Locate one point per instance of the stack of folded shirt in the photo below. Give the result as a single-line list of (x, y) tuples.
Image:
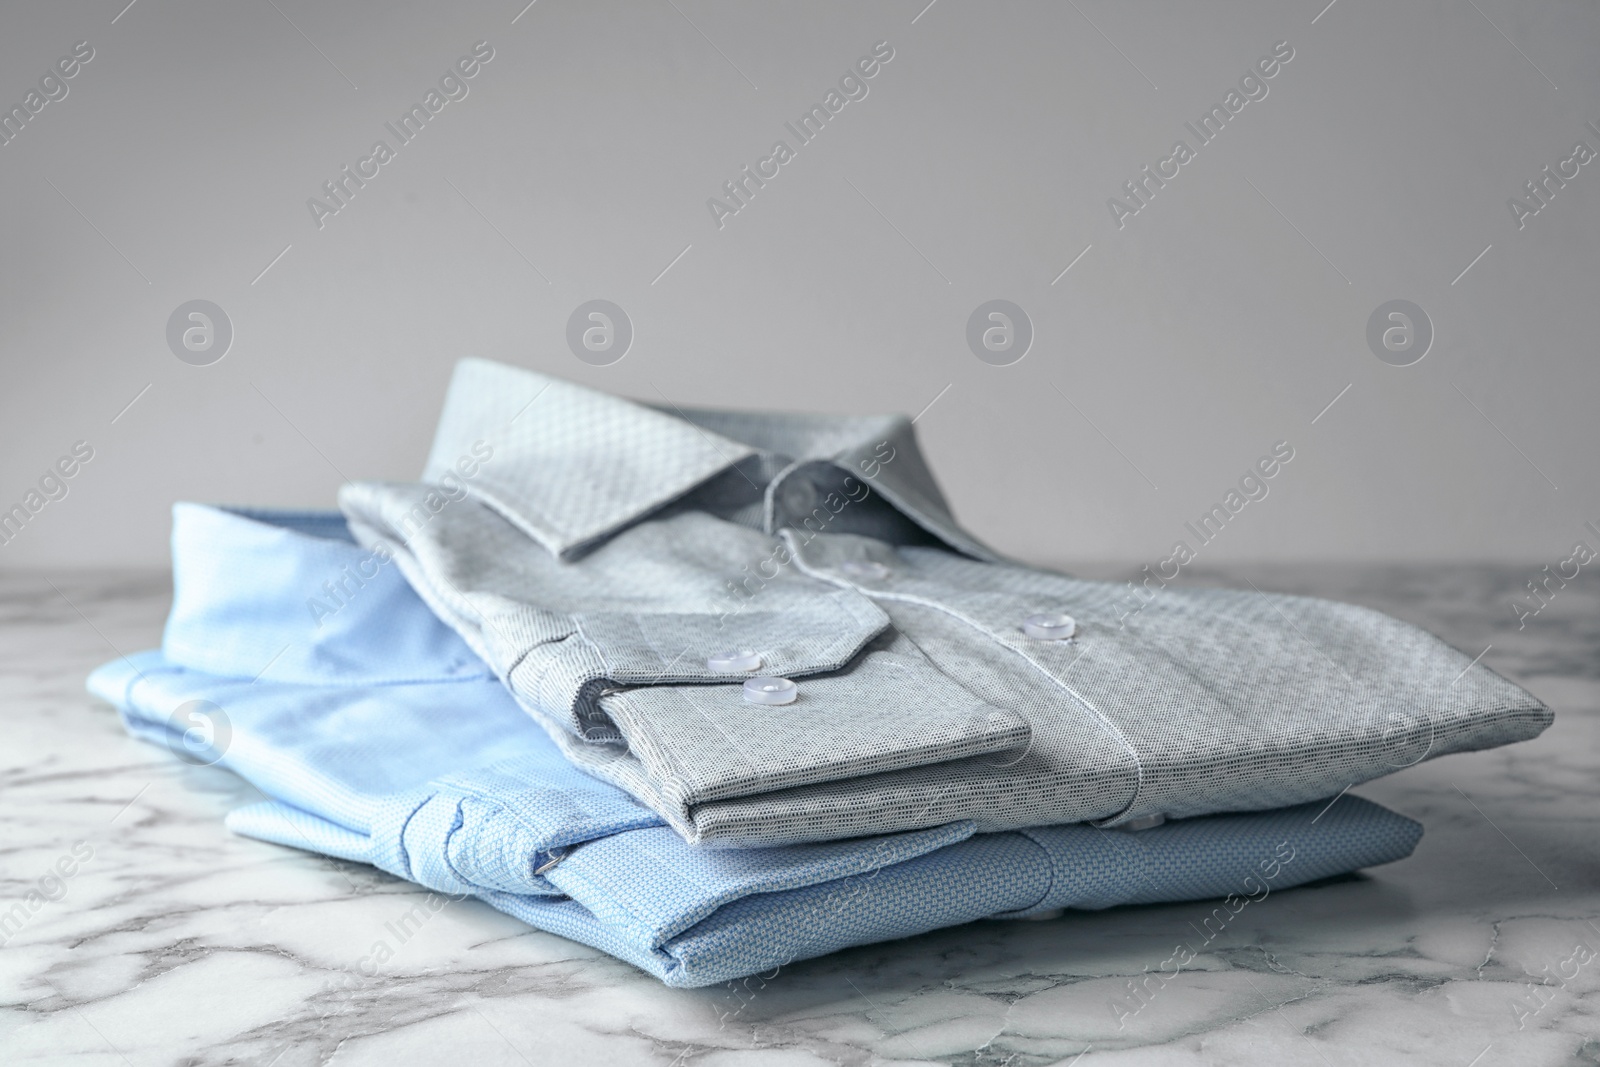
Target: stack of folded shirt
[(717, 691)]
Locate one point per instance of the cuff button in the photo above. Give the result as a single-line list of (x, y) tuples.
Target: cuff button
[(734, 661), (770, 691), (1051, 626)]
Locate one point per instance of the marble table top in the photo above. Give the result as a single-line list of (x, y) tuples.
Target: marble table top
[(162, 938)]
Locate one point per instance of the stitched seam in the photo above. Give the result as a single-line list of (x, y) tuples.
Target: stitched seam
[(400, 835), (769, 497), (1110, 726), (907, 598), (760, 775), (674, 772), (513, 506), (951, 535), (605, 665), (458, 823), (575, 874), (1050, 860)]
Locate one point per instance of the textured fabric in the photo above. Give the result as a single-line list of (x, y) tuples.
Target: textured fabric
[(607, 549), (380, 741)]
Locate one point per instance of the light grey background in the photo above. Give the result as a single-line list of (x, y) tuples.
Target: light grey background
[(1224, 317)]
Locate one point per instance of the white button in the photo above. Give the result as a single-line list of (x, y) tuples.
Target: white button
[(734, 661), (1144, 822), (798, 495), (864, 570), (770, 691), (1052, 626)]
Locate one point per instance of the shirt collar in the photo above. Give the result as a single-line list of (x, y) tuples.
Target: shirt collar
[(570, 466)]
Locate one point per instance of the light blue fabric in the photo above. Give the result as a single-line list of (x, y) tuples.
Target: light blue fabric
[(383, 740)]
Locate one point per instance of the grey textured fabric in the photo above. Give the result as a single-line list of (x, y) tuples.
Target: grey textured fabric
[(595, 552)]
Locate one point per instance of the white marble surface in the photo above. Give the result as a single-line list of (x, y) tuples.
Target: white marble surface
[(178, 943)]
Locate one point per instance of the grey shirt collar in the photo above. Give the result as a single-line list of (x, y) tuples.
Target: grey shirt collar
[(570, 466)]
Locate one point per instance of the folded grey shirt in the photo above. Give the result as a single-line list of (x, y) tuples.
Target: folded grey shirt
[(605, 556)]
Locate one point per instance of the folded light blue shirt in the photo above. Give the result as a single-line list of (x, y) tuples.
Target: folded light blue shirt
[(306, 664)]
